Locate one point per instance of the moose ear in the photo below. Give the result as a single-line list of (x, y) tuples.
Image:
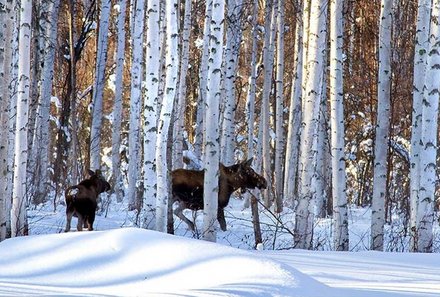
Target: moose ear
[(248, 162), (90, 172), (98, 172)]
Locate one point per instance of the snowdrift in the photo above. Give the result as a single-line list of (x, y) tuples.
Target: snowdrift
[(137, 262)]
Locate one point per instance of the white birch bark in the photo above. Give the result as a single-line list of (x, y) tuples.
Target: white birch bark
[(428, 154), (250, 99), (135, 105), (117, 109), (279, 132), (152, 79), (304, 218), (19, 202), (295, 114), (101, 60), (382, 128), (179, 128), (172, 67), (420, 68), (203, 75), (231, 55), (211, 143), (322, 141), (41, 137), (6, 14), (268, 61), (340, 219)]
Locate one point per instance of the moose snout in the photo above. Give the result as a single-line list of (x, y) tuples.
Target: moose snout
[(262, 184)]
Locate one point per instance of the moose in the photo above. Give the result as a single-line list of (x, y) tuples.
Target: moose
[(82, 200), (187, 188)]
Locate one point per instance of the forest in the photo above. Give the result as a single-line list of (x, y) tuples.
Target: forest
[(334, 102)]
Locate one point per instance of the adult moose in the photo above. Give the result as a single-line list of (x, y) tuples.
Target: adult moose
[(82, 200), (187, 187)]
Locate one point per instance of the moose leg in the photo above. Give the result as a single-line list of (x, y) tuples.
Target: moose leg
[(179, 213), (90, 220), (221, 218), (69, 215), (79, 226)]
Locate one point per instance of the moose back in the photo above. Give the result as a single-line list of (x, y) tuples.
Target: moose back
[(82, 200), (187, 187)]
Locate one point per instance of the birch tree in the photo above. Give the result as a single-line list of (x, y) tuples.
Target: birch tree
[(268, 61), (420, 69), (135, 105), (250, 98), (117, 109), (304, 217), (382, 127), (19, 203), (279, 132), (6, 14), (172, 67), (152, 79), (101, 60), (231, 56), (211, 143), (203, 74), (181, 94), (40, 148), (293, 132), (428, 154), (340, 219)]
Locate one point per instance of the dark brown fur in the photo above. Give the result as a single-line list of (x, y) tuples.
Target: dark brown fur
[(187, 186), (82, 200)]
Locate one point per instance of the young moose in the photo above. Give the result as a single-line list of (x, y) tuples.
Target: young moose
[(82, 200), (187, 186)]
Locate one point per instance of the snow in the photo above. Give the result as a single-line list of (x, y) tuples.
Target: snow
[(120, 260), (138, 262)]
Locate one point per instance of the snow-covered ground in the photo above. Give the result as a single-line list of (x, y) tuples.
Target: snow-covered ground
[(127, 261)]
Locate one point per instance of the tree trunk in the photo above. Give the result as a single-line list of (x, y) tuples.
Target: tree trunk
[(420, 69), (428, 159), (6, 36), (203, 74), (179, 129), (152, 79), (382, 128), (268, 61), (40, 149), (231, 55), (295, 114), (279, 132), (135, 107), (117, 109), (19, 202), (304, 218), (340, 219), (211, 143), (101, 60), (250, 99), (172, 67)]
